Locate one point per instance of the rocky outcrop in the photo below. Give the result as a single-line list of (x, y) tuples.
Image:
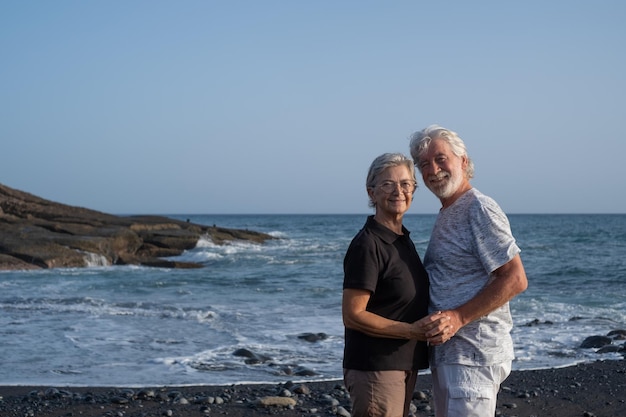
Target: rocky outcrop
[(38, 233)]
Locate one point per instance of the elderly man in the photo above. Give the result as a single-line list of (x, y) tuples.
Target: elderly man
[(475, 269)]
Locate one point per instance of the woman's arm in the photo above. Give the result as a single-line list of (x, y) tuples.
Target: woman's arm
[(356, 317)]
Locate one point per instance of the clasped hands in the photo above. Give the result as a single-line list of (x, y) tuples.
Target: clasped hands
[(436, 328)]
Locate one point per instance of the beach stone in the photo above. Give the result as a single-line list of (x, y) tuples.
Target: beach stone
[(302, 389), (126, 393), (420, 396), (181, 400), (146, 393), (174, 394), (596, 342), (342, 412), (329, 399), (52, 393), (36, 393), (285, 393), (204, 400), (119, 400), (161, 396), (276, 401), (423, 407)]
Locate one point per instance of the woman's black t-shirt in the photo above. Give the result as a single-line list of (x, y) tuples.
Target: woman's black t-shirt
[(388, 265)]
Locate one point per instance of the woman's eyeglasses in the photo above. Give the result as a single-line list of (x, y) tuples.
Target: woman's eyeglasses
[(391, 186)]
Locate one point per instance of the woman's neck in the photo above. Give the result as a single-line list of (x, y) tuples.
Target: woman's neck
[(392, 223)]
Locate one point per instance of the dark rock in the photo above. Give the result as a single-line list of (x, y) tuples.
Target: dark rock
[(302, 371), (609, 349), (37, 233), (596, 342), (251, 357), (618, 334), (313, 337), (537, 322)]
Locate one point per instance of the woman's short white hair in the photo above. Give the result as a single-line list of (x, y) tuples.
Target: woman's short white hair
[(383, 162)]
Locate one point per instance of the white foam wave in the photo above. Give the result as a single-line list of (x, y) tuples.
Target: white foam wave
[(205, 242), (94, 259), (549, 334)]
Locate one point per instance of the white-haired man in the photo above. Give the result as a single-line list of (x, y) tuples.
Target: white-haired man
[(475, 269)]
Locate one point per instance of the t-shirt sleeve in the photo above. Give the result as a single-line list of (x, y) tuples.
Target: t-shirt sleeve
[(360, 265), (493, 240)]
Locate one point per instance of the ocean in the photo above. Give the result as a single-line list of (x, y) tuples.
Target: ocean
[(137, 326)]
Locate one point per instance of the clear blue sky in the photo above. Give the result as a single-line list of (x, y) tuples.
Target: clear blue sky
[(167, 107)]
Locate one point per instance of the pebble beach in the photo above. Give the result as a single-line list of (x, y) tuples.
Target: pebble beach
[(596, 389)]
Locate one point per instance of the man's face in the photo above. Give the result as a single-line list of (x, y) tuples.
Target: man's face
[(442, 171)]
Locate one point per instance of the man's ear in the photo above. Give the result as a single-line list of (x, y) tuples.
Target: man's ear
[(464, 162)]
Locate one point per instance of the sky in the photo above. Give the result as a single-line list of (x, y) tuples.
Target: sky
[(276, 107)]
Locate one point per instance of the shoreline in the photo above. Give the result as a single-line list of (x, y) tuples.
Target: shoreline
[(587, 389)]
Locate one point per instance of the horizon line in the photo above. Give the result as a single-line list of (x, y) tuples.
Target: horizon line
[(364, 214)]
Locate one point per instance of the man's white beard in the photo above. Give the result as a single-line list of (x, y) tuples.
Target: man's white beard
[(447, 187)]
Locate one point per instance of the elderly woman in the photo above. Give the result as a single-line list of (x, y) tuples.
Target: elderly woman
[(385, 294)]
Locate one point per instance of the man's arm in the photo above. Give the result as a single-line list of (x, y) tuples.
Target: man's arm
[(506, 282)]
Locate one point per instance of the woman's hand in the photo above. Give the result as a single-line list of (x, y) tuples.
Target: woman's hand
[(437, 328)]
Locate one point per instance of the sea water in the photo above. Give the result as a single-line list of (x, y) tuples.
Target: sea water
[(139, 326)]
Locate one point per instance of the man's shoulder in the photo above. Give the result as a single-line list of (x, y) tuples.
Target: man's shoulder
[(479, 202)]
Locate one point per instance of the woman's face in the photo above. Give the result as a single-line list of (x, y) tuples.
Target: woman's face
[(388, 194)]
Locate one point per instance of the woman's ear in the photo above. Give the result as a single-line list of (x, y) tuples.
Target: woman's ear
[(370, 193)]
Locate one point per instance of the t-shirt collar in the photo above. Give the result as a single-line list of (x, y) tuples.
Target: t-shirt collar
[(385, 234)]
